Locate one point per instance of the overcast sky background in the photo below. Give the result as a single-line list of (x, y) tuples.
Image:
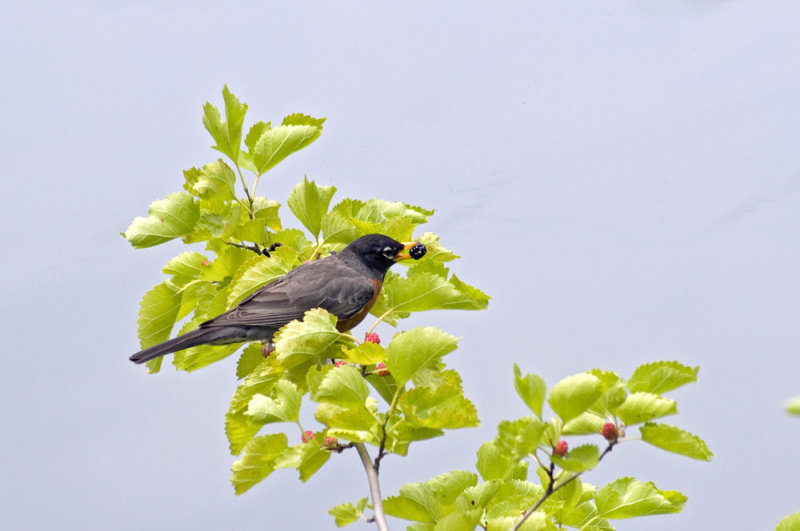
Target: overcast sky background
[(622, 177)]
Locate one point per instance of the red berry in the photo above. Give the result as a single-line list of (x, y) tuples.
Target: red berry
[(206, 262), (308, 436), (340, 363), (610, 432), (561, 448), (381, 370), (267, 349), (329, 442), (373, 338)]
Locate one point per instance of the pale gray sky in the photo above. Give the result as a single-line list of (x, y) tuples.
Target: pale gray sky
[(632, 166)]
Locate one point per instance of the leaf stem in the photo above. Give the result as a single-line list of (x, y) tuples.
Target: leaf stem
[(246, 190), (374, 487)]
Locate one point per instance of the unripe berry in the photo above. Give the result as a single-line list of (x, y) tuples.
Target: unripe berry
[(340, 363), (381, 370), (373, 338), (329, 442), (308, 436), (267, 349), (561, 448), (610, 432)]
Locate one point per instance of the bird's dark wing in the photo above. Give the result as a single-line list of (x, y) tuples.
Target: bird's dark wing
[(326, 283)]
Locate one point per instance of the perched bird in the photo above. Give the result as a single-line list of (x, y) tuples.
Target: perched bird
[(345, 284)]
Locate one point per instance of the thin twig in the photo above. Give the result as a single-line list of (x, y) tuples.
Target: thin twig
[(551, 488), (374, 488)]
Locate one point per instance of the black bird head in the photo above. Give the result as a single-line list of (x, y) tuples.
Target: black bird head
[(375, 253)]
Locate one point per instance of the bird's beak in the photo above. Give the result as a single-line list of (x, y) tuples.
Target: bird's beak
[(404, 254)]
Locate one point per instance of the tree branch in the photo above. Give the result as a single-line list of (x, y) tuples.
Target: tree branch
[(374, 487)]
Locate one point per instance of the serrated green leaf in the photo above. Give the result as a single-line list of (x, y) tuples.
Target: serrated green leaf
[(531, 388), (347, 513), (538, 521), (301, 341), (306, 457), (259, 271), (427, 287), (282, 405), (661, 376), (793, 406), (251, 357), (416, 349), (432, 500), (168, 218), (192, 359), (265, 216), (227, 134), (215, 182), (579, 459), (366, 353), (575, 394), (493, 462), (442, 407), (584, 424), (627, 498), (277, 143), (255, 133), (641, 407), (188, 266), (356, 425), (459, 521), (520, 438), (674, 439), (158, 310), (789, 523), (342, 386), (258, 461), (240, 430), (309, 202)]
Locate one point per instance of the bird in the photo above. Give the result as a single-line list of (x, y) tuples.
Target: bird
[(345, 284)]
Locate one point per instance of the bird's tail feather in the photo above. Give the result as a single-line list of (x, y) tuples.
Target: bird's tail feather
[(190, 339)]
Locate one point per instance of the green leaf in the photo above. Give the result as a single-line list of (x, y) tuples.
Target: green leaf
[(306, 457), (520, 438), (309, 203), (215, 182), (283, 404), (432, 500), (641, 407), (459, 521), (356, 425), (789, 523), (275, 144), (347, 513), (793, 406), (584, 424), (251, 357), (158, 310), (227, 134), (674, 439), (300, 341), (192, 359), (259, 271), (531, 388), (661, 376), (410, 352), (186, 266), (538, 521), (579, 459), (168, 218), (627, 497), (258, 461), (428, 288), (342, 386), (493, 462), (575, 394), (442, 407), (366, 353)]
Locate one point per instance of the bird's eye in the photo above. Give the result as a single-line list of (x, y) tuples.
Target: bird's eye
[(389, 253)]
